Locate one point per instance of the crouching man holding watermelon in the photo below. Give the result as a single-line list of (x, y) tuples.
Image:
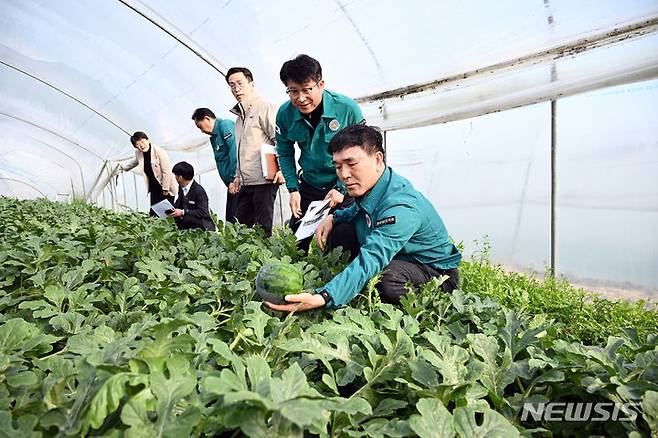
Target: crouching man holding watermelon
[(398, 230)]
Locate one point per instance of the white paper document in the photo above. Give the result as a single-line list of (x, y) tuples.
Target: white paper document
[(161, 207), (317, 211)]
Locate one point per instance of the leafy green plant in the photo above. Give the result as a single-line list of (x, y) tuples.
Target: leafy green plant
[(583, 316), (120, 325)]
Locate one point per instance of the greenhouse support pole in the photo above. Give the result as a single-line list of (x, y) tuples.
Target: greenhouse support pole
[(123, 186), (279, 194), (551, 23), (136, 197), (553, 184), (113, 194)]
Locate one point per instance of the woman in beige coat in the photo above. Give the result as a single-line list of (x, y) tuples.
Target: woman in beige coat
[(154, 163)]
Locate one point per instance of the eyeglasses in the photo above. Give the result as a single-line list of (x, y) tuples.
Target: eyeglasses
[(306, 91), (238, 84)]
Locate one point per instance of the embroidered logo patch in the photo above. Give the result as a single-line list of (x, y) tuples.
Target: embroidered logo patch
[(334, 125), (277, 129), (385, 221), (368, 221)]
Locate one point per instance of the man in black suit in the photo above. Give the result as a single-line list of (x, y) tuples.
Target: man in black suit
[(191, 206)]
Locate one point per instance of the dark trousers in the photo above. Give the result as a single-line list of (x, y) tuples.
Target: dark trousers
[(157, 196), (255, 206), (344, 235), (341, 235), (399, 272), (231, 207)]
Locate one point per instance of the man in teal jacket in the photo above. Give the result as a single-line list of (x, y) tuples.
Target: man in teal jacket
[(398, 229), (311, 119), (222, 139)]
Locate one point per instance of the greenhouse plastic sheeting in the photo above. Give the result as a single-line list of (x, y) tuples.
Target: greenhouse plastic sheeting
[(81, 75), (78, 77), (489, 178)]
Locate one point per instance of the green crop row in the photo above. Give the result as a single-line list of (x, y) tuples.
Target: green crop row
[(119, 325), (582, 316)]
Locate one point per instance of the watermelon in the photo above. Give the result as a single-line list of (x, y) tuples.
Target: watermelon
[(275, 280)]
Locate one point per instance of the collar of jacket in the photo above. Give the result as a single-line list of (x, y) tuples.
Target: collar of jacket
[(246, 104), (215, 129), (152, 150), (328, 108), (370, 200), (189, 186)]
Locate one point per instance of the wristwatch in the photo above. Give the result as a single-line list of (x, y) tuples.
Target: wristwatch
[(325, 295)]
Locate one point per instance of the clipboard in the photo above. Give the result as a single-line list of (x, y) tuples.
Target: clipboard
[(268, 161), (161, 207)]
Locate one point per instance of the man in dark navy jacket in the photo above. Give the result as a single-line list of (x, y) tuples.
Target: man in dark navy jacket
[(191, 206)]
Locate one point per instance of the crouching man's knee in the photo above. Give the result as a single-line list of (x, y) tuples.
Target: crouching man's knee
[(391, 287), (399, 273)]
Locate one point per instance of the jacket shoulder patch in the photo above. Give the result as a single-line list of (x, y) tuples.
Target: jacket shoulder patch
[(385, 221)]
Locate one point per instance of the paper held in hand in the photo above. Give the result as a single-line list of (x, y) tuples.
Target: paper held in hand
[(317, 211), (161, 207), (268, 161)]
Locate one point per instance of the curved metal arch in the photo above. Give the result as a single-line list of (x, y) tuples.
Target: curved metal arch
[(165, 26), (185, 148), (77, 163), (189, 148), (365, 43), (50, 131), (7, 169), (24, 183), (177, 34), (59, 90), (82, 178)]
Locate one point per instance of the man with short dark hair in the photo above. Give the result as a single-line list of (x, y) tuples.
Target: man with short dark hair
[(310, 119), (191, 206), (398, 229), (222, 140), (254, 128)]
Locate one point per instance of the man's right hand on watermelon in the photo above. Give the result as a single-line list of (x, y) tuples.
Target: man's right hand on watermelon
[(299, 303)]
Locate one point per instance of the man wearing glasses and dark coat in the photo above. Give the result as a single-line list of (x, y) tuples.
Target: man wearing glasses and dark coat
[(311, 118)]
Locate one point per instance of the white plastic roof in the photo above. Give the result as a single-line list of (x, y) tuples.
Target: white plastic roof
[(76, 77)]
